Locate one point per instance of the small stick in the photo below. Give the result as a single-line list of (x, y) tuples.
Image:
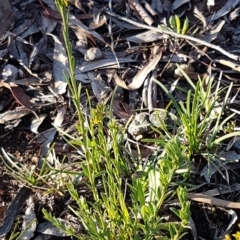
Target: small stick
[(174, 34), (202, 198)]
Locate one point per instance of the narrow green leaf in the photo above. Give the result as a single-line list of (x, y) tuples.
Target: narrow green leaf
[(172, 23), (178, 24), (185, 26)]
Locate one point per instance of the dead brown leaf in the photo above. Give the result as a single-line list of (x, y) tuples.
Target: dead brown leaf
[(13, 114), (141, 11), (20, 96), (141, 75), (122, 110), (49, 13)]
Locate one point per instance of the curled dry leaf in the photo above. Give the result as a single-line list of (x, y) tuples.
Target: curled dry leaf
[(146, 37), (77, 4), (98, 20), (141, 75), (199, 15), (36, 122), (78, 26), (45, 138), (13, 114), (60, 116), (152, 91), (141, 11)]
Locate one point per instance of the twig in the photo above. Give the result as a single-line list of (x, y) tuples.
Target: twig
[(213, 201), (198, 197), (174, 34)]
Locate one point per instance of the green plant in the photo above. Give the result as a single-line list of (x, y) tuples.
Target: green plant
[(121, 206), (175, 24), (125, 198), (105, 167), (28, 176), (199, 125), (72, 83), (38, 178), (177, 27), (15, 235), (111, 213)]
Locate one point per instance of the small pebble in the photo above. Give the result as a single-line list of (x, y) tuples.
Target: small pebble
[(93, 54)]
